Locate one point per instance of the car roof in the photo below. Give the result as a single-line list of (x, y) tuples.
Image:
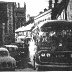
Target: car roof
[(14, 46), (3, 49)]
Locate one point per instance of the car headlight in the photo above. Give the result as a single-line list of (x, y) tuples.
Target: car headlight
[(43, 54)]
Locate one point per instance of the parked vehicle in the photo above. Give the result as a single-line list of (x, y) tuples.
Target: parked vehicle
[(12, 49), (23, 48), (54, 45), (23, 51), (6, 61)]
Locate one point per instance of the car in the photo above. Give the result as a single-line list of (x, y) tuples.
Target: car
[(6, 61), (23, 48), (12, 50)]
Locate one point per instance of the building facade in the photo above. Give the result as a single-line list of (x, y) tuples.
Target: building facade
[(69, 10), (20, 16), (7, 22)]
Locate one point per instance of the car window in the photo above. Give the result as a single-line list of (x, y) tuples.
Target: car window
[(3, 53), (13, 49)]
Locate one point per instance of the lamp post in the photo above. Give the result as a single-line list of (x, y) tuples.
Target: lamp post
[(3, 35)]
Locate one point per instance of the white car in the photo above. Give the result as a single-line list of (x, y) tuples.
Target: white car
[(6, 61), (12, 50)]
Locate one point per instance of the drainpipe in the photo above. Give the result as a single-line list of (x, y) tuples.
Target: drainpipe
[(3, 35)]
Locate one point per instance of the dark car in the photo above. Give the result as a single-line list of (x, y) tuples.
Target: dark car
[(6, 61), (12, 50), (23, 52), (23, 49), (54, 46)]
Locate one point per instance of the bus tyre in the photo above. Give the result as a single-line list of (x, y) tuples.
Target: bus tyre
[(38, 69)]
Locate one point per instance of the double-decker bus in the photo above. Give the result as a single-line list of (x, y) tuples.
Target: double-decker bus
[(53, 43)]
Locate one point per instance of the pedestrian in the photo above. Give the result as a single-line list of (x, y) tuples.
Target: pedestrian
[(32, 49)]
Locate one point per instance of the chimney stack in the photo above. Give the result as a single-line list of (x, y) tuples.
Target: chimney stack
[(50, 4), (56, 2), (18, 5)]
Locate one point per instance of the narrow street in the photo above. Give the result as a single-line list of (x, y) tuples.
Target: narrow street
[(25, 66), (36, 35)]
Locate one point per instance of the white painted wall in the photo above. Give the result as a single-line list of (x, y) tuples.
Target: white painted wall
[(69, 11)]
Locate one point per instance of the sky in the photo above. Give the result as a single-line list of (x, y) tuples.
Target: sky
[(33, 7)]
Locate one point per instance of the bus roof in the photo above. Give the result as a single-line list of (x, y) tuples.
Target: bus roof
[(57, 25)]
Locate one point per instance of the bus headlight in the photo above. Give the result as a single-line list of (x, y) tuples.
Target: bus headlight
[(43, 54), (48, 55)]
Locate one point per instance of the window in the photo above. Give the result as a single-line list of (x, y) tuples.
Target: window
[(20, 33), (3, 53), (24, 33)]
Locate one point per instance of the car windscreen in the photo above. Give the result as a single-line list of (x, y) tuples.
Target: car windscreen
[(3, 53), (57, 34)]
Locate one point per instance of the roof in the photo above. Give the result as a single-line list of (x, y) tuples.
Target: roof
[(3, 49), (19, 29), (25, 28), (22, 37), (11, 46), (55, 24), (44, 13)]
